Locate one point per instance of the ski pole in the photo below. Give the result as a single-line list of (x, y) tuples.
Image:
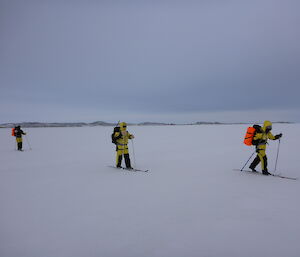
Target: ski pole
[(277, 154), (28, 142), (133, 153), (248, 161)]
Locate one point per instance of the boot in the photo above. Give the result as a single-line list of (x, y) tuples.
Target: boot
[(266, 172), (253, 170)]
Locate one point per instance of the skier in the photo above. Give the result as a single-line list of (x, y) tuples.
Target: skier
[(121, 137), (18, 134), (262, 137)]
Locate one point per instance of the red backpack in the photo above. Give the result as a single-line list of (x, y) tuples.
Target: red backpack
[(250, 134)]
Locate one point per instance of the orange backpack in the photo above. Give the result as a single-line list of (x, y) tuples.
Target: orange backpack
[(251, 131), (13, 132)]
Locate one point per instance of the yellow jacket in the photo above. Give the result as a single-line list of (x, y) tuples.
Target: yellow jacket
[(123, 135), (123, 140), (264, 135)]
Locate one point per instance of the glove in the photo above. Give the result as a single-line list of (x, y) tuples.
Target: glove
[(278, 136), (132, 137)]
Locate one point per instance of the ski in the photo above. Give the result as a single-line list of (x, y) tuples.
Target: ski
[(123, 168), (273, 175)]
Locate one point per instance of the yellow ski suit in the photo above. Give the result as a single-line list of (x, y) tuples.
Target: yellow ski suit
[(262, 138), (122, 145)]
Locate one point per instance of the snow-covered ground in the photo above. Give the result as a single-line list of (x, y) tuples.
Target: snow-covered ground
[(61, 200)]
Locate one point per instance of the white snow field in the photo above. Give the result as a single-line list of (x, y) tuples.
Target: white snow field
[(61, 200)]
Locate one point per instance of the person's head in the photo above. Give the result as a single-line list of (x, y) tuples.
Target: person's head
[(123, 126), (18, 127), (267, 126)]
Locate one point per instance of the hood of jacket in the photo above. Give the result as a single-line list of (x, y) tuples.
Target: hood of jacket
[(123, 126), (267, 124)]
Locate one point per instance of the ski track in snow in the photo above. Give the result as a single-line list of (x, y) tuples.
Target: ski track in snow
[(61, 200)]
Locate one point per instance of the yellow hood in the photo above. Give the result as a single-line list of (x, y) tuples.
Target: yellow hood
[(267, 124), (123, 125)]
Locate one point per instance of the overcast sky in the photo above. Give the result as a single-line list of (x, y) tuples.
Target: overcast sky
[(157, 60)]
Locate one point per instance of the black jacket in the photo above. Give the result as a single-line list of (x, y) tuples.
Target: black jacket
[(19, 133)]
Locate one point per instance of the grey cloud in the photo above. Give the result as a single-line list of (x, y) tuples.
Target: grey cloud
[(150, 56)]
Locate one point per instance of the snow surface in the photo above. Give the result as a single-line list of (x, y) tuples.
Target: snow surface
[(61, 200)]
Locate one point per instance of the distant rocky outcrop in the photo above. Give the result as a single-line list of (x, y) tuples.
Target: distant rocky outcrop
[(103, 123), (43, 124), (154, 124), (207, 123)]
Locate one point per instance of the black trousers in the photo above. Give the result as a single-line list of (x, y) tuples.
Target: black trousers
[(20, 145), (127, 160), (259, 159)]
